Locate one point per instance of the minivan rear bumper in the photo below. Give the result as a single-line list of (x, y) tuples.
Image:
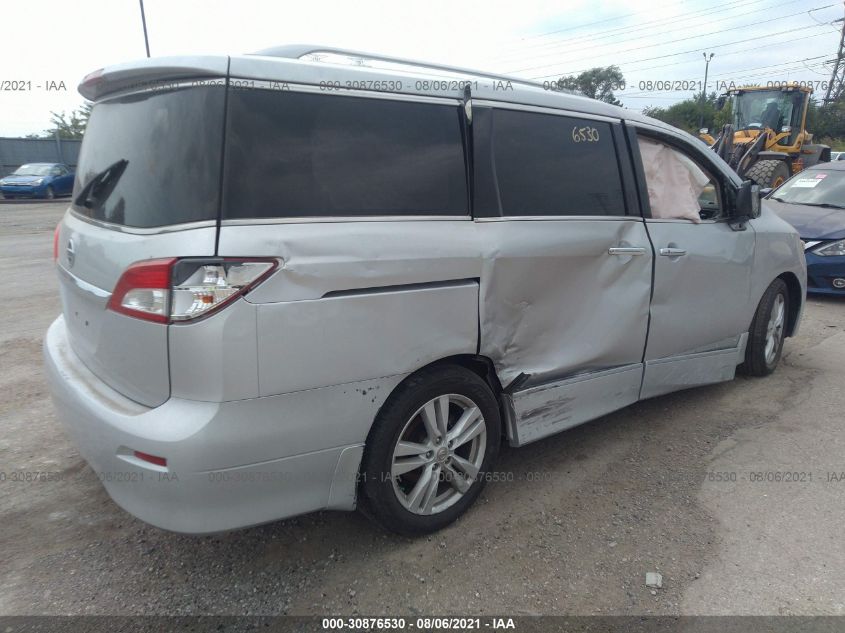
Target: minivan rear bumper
[(229, 465)]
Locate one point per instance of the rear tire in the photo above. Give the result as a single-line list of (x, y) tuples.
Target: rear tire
[(769, 173), (768, 330), (429, 451), (49, 194)]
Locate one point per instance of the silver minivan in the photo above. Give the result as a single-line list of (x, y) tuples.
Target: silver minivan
[(292, 283)]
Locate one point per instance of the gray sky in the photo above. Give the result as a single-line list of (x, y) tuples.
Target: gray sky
[(652, 41)]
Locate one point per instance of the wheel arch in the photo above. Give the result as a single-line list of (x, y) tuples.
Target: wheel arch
[(774, 155), (796, 299), (480, 365), (484, 368), (363, 491)]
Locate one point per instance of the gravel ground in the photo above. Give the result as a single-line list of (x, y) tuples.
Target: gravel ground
[(634, 492)]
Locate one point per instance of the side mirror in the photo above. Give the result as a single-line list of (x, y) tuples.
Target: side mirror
[(765, 191), (720, 102), (747, 201)]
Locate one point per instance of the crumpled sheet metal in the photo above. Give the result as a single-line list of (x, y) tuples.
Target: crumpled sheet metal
[(554, 302), (544, 301)]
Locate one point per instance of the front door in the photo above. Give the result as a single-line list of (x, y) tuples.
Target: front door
[(702, 270)]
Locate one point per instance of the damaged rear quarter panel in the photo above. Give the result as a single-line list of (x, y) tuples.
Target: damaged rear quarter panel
[(359, 300)]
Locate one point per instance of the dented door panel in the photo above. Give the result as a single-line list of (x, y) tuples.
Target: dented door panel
[(556, 302), (358, 300)]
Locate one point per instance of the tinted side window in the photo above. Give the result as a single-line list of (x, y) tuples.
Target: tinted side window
[(293, 154), (555, 165)]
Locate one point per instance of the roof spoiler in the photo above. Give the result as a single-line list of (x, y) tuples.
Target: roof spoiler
[(152, 74)]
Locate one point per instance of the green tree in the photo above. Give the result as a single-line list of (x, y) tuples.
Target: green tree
[(722, 117), (596, 83), (687, 114), (826, 120), (70, 125)]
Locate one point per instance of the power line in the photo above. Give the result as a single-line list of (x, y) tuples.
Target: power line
[(573, 46), (688, 61), (747, 70), (649, 24), (613, 19), (684, 39), (696, 50)]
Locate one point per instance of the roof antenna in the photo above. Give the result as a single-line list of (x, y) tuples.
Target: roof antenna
[(144, 23)]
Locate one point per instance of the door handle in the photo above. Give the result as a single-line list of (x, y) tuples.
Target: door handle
[(673, 252), (626, 250)]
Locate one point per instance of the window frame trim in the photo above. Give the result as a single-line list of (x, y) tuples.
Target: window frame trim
[(327, 219)]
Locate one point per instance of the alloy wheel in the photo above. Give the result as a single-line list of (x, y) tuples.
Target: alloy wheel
[(774, 329), (438, 454)]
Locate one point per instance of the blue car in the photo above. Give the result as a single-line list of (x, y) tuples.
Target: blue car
[(813, 201), (38, 180)]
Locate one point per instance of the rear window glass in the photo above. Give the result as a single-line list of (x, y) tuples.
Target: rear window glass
[(555, 165), (170, 142), (294, 154)]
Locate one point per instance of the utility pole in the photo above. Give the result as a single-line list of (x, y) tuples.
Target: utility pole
[(144, 23), (704, 88), (837, 77)]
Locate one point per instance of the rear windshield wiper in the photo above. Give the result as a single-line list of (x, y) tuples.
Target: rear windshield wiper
[(101, 185)]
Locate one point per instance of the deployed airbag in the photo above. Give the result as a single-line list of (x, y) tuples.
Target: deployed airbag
[(674, 182)]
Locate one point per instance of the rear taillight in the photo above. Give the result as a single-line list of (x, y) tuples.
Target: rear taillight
[(143, 291), (177, 290)]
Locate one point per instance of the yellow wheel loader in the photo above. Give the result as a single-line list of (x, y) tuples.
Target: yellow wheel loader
[(766, 140)]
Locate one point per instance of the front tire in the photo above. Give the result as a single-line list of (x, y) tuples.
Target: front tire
[(768, 330), (429, 451), (49, 194), (769, 173)]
